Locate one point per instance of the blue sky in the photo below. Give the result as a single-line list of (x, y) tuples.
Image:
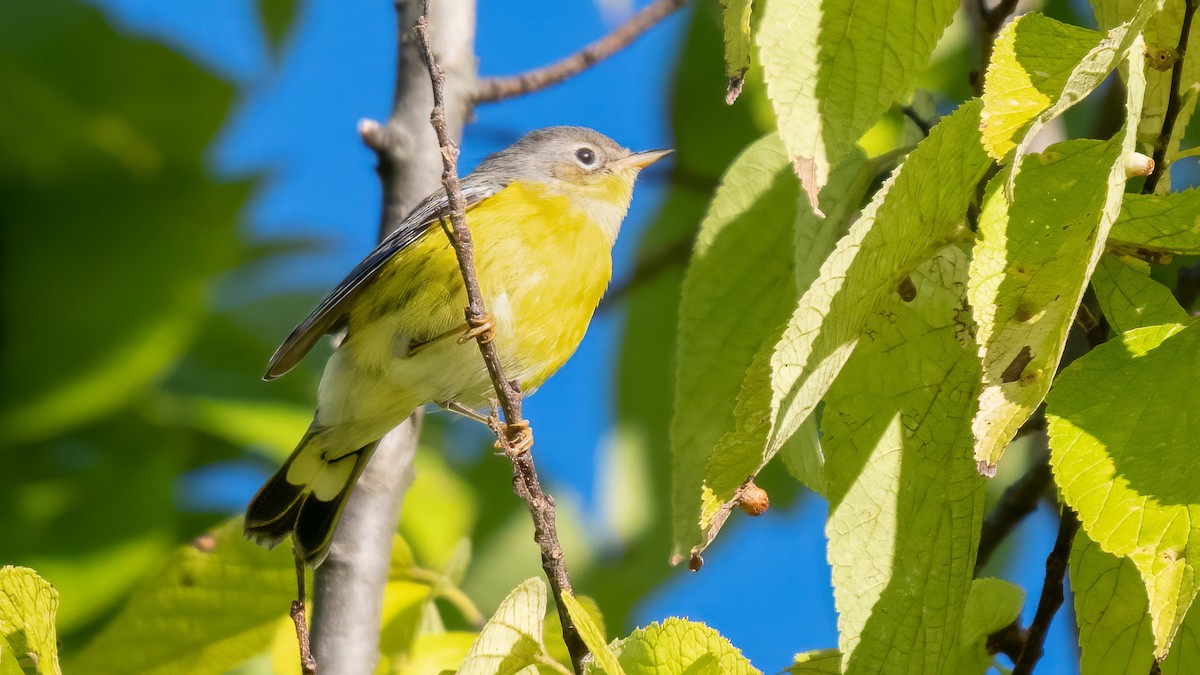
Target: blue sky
[(296, 120)]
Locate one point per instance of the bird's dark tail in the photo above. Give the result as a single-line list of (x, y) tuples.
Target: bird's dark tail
[(306, 496)]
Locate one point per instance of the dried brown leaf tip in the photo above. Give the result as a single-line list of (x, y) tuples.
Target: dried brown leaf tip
[(754, 500)]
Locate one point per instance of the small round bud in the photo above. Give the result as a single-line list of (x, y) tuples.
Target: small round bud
[(753, 500)]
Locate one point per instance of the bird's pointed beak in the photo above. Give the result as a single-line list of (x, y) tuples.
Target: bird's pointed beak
[(644, 159)]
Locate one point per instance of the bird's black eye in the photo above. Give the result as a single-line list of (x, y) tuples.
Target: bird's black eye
[(585, 156)]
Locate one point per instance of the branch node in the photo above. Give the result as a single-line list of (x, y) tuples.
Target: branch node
[(373, 134)]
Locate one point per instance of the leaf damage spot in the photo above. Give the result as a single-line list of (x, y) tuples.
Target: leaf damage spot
[(907, 289), (1017, 366), (806, 171)]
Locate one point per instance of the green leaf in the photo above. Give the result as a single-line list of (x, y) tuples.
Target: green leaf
[(1114, 620), (742, 446), (737, 43), (1130, 298), (1118, 439), (213, 604), (819, 662), (593, 637), (1162, 36), (993, 604), (512, 638), (917, 212), (1112, 612), (268, 425), (8, 659), (1021, 90), (737, 291), (28, 604), (1032, 59), (832, 67), (111, 218), (1167, 223), (1041, 234), (895, 422), (678, 646)]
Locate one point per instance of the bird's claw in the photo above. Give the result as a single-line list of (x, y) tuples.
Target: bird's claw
[(480, 328), (518, 438)]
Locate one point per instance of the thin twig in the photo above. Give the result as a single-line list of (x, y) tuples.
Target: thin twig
[(1174, 102), (1052, 594), (308, 665), (494, 89), (513, 435)]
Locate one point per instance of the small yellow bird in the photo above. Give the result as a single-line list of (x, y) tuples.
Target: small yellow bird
[(544, 215)]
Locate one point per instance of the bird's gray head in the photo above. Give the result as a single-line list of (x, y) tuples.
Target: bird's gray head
[(571, 154)]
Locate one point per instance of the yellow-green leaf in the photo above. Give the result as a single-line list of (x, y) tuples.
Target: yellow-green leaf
[(28, 605), (593, 637), (832, 67), (916, 213), (512, 639), (1129, 298), (678, 646), (214, 603), (1037, 246), (1120, 444), (896, 422), (1167, 223)]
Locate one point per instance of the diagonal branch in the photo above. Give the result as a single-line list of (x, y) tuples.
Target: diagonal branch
[(499, 88), (1174, 101), (1052, 594), (514, 437)]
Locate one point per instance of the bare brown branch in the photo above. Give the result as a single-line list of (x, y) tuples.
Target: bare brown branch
[(499, 88), (515, 436)]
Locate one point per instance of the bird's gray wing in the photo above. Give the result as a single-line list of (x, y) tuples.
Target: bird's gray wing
[(330, 314)]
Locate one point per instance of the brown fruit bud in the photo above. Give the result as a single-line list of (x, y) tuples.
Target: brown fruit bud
[(753, 500)]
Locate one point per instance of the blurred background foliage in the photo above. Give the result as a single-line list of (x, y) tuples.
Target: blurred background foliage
[(131, 356)]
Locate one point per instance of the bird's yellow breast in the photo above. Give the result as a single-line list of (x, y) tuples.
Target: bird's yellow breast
[(543, 261)]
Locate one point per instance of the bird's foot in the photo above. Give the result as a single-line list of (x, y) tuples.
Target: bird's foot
[(518, 438), (479, 327)]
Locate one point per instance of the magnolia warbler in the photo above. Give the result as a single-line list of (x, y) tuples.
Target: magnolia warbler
[(544, 215)]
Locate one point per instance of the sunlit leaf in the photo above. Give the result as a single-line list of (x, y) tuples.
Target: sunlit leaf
[(1167, 223), (727, 439), (1037, 245), (896, 422), (819, 662), (28, 605), (832, 67), (1117, 440), (677, 646), (512, 638), (916, 213), (1130, 299), (1022, 89), (593, 636), (214, 603)]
